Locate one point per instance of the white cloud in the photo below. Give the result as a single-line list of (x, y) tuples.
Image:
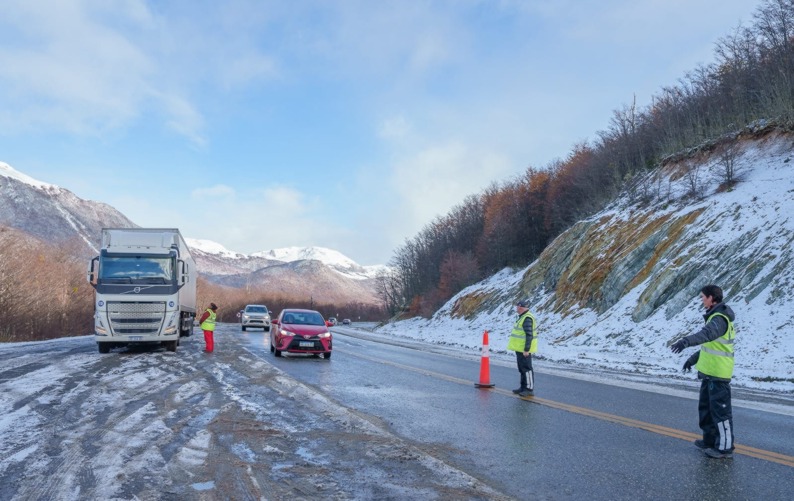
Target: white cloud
[(394, 128), (248, 221), (435, 179)]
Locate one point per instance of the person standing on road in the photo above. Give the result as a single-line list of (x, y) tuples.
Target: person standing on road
[(714, 363), (207, 323), (524, 341)]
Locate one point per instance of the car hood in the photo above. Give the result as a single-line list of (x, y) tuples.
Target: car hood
[(305, 330)]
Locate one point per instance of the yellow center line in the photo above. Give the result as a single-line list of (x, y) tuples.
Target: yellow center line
[(604, 416)]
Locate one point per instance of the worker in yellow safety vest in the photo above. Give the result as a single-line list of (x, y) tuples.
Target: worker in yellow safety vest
[(524, 341), (207, 324), (714, 363)]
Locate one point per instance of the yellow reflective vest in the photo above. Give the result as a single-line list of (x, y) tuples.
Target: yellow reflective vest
[(716, 357), (209, 323), (518, 338)]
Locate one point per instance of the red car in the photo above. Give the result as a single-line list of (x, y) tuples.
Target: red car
[(300, 331)]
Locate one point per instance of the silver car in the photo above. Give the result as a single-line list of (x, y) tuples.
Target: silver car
[(256, 315)]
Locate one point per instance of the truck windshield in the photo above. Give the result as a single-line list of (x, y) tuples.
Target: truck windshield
[(137, 269)]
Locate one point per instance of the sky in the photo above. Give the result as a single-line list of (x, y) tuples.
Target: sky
[(347, 124)]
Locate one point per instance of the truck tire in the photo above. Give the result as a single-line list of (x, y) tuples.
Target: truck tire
[(103, 347)]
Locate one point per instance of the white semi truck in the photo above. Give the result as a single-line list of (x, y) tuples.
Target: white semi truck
[(145, 288)]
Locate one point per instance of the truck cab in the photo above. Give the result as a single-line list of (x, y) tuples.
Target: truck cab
[(145, 288)]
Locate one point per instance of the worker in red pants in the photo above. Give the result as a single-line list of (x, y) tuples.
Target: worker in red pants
[(207, 324)]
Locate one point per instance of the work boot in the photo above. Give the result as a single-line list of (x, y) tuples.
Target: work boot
[(718, 454), (700, 444), (526, 393), (518, 391)]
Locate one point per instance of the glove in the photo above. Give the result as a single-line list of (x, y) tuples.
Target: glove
[(687, 366), (679, 345)]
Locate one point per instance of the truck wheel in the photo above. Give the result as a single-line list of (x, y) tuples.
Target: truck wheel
[(103, 347), (170, 345)]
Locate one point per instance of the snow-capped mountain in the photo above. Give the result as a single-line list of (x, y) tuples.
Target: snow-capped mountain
[(53, 214), (314, 271), (219, 260)]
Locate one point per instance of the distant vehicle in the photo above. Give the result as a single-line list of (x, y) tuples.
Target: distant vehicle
[(255, 315), (346, 321), (145, 288), (300, 331), (332, 320)]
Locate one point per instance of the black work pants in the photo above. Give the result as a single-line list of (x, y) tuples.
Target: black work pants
[(716, 416), (525, 367)]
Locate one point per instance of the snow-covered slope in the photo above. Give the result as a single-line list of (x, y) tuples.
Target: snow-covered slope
[(331, 258), (615, 290), (54, 214)]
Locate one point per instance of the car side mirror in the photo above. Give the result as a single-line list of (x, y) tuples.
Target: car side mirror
[(274, 321), (328, 323)]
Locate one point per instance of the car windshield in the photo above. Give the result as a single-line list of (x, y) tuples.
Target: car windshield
[(256, 309), (303, 318)]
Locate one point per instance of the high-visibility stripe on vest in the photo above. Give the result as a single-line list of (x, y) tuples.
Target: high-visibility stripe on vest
[(518, 338), (209, 323), (716, 357)]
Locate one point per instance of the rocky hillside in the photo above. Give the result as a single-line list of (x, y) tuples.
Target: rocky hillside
[(54, 214), (616, 289)]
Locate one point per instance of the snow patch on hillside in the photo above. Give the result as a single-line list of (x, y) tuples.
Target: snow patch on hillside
[(8, 171), (760, 206)]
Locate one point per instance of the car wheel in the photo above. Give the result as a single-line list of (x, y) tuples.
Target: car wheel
[(271, 348), (327, 355), (103, 347), (277, 352), (243, 328), (170, 346)]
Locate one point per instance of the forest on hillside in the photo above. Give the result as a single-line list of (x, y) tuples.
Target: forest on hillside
[(750, 84)]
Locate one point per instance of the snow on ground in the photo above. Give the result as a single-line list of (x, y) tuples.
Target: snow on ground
[(761, 205)]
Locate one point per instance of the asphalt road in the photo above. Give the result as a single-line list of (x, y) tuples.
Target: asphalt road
[(379, 420), (575, 439)]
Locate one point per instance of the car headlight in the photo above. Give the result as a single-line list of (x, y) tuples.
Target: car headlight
[(246, 317), (324, 335)]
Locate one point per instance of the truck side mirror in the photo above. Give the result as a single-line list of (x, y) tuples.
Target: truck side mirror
[(184, 277), (92, 272)]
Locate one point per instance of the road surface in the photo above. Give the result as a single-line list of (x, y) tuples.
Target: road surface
[(377, 421)]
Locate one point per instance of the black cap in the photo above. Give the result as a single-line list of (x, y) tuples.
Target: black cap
[(524, 303), (213, 306)]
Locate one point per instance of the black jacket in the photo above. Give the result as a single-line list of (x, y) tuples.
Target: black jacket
[(711, 331)]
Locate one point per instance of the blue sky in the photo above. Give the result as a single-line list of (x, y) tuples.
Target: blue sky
[(345, 124)]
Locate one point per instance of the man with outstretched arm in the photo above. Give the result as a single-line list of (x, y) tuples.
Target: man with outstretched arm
[(714, 363)]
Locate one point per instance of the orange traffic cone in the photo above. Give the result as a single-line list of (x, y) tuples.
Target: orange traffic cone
[(485, 367)]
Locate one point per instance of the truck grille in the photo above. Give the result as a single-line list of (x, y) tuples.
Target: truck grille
[(136, 318)]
